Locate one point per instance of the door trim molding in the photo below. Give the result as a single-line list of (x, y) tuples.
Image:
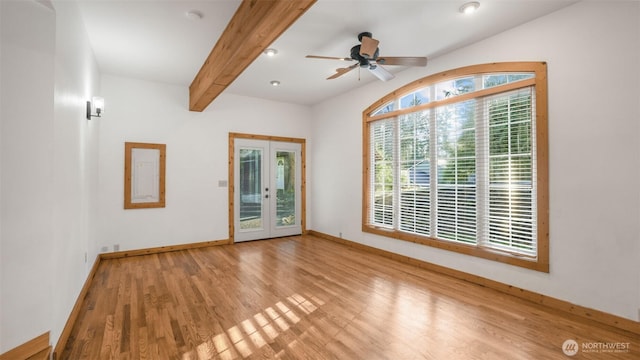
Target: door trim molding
[(231, 179)]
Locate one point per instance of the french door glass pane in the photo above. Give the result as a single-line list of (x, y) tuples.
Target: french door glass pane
[(285, 187), (250, 189)]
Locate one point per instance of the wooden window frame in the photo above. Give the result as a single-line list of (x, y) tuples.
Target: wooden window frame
[(541, 260), (128, 175)]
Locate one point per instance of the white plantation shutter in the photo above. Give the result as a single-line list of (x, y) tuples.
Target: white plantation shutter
[(382, 171), (415, 173), (456, 184), (461, 172), (510, 209)]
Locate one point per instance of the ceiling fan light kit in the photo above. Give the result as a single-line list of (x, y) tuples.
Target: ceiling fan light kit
[(367, 55), (381, 73)]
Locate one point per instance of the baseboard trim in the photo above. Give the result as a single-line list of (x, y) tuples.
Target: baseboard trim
[(562, 306), (161, 249), (66, 331), (73, 316), (32, 347)]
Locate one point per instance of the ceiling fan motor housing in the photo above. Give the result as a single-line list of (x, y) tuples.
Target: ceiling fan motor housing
[(364, 62), (365, 33), (366, 54)]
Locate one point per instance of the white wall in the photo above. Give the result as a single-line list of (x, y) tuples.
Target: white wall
[(49, 176), (75, 161), (27, 112), (592, 50), (197, 155)]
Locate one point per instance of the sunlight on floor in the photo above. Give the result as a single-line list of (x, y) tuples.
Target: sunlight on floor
[(251, 334)]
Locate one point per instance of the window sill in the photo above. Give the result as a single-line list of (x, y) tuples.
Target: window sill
[(523, 261)]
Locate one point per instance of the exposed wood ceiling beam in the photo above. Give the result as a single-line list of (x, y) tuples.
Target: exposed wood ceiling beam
[(255, 25)]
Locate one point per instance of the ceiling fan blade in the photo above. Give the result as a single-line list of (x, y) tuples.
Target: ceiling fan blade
[(402, 60), (368, 47), (342, 71), (328, 58), (381, 73)]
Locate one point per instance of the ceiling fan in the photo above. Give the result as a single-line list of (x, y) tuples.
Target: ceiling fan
[(367, 55)]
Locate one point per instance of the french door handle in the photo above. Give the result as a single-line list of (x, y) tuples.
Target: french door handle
[(266, 189), (266, 196)]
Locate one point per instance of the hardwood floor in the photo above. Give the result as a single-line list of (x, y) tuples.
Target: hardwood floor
[(309, 298)]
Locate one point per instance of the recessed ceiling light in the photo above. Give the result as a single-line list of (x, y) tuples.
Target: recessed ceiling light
[(275, 83), (194, 15), (470, 7), (271, 52)]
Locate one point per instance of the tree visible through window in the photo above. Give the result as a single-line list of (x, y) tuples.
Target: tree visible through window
[(455, 163)]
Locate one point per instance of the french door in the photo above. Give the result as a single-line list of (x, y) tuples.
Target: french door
[(267, 189)]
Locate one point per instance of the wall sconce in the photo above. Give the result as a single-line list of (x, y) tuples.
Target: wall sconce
[(98, 104)]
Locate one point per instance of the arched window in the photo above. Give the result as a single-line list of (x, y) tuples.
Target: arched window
[(458, 161)]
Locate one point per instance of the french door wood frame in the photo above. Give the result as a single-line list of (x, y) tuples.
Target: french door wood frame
[(231, 181)]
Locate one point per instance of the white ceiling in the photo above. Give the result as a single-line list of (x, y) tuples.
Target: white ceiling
[(155, 40)]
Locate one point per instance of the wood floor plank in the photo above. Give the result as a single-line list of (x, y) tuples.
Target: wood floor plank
[(308, 298)]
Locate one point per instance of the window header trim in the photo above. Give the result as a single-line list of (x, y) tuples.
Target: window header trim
[(539, 68)]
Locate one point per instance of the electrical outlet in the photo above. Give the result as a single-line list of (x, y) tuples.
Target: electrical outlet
[(116, 247), (340, 234), (85, 257), (104, 249)]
